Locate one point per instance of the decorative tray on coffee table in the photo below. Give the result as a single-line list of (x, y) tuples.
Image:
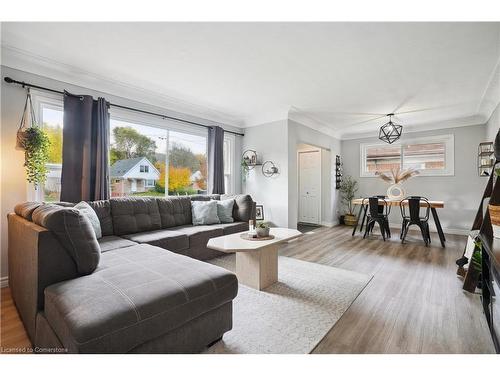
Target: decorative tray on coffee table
[(245, 237)]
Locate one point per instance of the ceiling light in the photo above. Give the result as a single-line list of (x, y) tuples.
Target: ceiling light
[(390, 132)]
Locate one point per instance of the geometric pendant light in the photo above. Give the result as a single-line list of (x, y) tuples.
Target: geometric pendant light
[(390, 132)]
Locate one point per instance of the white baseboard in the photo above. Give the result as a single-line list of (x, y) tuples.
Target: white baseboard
[(329, 224), (460, 232), (4, 282)]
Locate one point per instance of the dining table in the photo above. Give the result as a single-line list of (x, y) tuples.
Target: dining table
[(363, 203)]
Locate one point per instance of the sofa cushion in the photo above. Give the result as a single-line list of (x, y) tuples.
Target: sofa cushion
[(164, 238), (204, 197), (137, 294), (174, 211), (108, 243), (204, 213), (243, 207), (74, 231), (103, 211), (89, 212), (225, 210), (132, 215), (200, 234), (230, 228), (26, 209)]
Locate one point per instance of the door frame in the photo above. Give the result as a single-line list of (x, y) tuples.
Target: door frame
[(318, 150)]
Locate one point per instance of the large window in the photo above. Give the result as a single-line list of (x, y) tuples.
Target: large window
[(146, 158), (52, 122), (432, 156), (141, 155)]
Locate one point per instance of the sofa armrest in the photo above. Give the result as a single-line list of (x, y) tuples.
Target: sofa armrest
[(36, 260)]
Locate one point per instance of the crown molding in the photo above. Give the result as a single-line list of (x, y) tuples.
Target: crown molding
[(475, 120), (311, 122), (491, 95), (19, 59)]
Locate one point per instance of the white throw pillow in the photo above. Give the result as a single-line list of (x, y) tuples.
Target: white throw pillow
[(204, 212), (225, 210), (89, 212)]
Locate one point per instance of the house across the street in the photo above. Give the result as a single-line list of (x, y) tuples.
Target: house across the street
[(135, 175)]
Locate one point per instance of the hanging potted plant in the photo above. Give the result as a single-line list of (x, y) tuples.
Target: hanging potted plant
[(348, 190), (35, 143), (245, 169), (36, 155)]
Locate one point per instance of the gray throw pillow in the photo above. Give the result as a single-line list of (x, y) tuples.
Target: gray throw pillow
[(225, 210), (204, 213), (74, 231), (89, 212)]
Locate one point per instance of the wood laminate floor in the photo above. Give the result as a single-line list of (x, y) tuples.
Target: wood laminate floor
[(413, 304)]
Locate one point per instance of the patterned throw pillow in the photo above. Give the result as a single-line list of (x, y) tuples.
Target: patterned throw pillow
[(225, 210), (89, 212), (204, 212)]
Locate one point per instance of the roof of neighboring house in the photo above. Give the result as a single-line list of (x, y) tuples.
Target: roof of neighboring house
[(121, 167)]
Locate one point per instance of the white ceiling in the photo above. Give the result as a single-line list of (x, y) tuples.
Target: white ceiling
[(336, 75)]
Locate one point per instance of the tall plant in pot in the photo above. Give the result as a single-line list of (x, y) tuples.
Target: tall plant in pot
[(348, 190)]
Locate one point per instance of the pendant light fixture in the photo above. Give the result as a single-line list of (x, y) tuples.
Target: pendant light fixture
[(390, 132)]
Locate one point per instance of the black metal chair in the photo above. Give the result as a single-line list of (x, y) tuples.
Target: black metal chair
[(411, 208), (378, 213)]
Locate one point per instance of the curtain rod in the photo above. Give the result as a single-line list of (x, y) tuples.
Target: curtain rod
[(24, 84)]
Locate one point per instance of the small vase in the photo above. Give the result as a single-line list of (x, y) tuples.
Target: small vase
[(396, 191), (262, 232)]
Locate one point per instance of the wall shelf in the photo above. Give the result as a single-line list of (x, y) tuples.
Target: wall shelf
[(485, 159)]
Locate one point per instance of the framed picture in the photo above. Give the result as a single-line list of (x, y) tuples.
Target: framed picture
[(259, 212)]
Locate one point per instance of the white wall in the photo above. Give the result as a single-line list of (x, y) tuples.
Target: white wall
[(13, 186), (461, 193), (270, 141), (493, 125), (297, 135)]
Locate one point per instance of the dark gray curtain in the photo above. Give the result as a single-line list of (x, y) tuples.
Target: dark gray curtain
[(85, 167), (216, 160)]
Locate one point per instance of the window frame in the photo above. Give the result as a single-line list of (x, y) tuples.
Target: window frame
[(168, 125), (449, 156), (231, 173), (41, 100)]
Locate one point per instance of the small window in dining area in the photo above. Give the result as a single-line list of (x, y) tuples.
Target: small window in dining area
[(431, 156)]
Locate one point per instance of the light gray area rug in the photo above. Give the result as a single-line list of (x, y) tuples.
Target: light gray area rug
[(293, 315)]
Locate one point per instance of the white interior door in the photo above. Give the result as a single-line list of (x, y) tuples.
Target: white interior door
[(310, 187)]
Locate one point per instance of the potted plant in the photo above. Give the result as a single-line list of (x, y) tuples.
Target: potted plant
[(262, 229), (36, 154), (245, 169), (348, 190)]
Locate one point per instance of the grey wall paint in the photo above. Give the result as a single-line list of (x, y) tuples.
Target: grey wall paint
[(278, 141), (271, 143), (297, 134), (13, 187), (461, 192), (493, 125)]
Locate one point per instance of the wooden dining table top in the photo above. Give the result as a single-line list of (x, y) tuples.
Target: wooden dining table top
[(395, 202)]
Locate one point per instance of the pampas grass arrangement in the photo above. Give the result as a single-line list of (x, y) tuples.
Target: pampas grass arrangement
[(397, 175)]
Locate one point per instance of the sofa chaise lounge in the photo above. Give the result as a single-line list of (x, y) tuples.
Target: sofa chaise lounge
[(150, 292)]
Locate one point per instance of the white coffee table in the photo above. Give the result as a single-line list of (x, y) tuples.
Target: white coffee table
[(256, 261)]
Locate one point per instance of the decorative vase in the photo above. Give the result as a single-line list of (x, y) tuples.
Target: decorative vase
[(396, 191), (262, 232), (350, 220), (494, 212)]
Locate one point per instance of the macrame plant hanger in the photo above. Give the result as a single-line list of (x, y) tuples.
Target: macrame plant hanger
[(28, 116)]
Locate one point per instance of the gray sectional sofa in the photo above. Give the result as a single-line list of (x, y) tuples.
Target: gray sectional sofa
[(150, 291)]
